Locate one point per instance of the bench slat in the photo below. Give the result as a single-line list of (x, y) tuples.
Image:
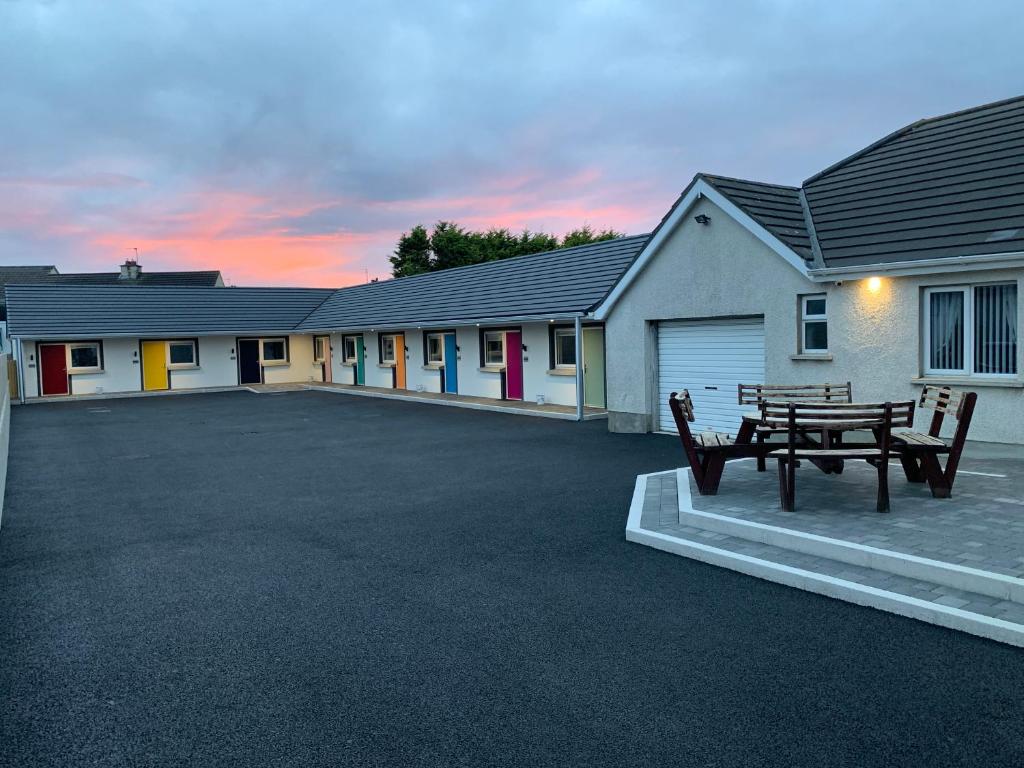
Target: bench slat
[(917, 438), (834, 453), (755, 394)]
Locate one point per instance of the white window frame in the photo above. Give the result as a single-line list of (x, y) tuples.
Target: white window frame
[(504, 350), (968, 351), (323, 342), (440, 348), (180, 366), (393, 337), (263, 345), (98, 368), (806, 317), (571, 333), (345, 357)]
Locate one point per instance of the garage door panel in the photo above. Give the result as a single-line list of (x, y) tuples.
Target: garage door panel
[(699, 354)]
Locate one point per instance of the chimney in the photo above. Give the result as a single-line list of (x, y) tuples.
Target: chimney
[(130, 270)]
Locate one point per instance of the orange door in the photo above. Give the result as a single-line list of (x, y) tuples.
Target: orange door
[(399, 361)]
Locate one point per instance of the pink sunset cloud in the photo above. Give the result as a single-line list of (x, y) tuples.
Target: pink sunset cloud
[(290, 236)]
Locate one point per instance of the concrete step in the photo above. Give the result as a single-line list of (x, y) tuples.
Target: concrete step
[(979, 614), (941, 573)]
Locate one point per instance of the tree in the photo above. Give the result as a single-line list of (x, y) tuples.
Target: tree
[(412, 256), (450, 245), (585, 235)]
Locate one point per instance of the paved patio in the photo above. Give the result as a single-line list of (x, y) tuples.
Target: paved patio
[(965, 553)]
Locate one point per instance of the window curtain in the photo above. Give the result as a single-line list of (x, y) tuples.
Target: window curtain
[(946, 324), (995, 329)]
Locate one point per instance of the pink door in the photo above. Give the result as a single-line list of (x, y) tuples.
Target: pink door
[(514, 365)]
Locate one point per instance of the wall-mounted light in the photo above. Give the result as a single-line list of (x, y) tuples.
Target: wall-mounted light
[(874, 284), (702, 218)]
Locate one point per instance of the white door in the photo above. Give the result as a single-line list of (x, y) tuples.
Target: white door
[(709, 358)]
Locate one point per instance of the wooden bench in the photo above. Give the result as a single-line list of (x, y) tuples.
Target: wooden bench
[(827, 418), (919, 452), (706, 452), (757, 394)]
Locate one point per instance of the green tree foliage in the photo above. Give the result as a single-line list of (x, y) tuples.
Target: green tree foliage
[(412, 255), (450, 245), (585, 235)]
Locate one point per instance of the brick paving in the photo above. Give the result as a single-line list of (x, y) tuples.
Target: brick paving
[(982, 526)]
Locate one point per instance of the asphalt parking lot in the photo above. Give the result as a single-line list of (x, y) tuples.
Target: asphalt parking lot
[(310, 579)]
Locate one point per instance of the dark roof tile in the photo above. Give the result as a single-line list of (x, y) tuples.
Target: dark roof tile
[(81, 311), (561, 282)]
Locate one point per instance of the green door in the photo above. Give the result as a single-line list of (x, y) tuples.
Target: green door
[(593, 367), (360, 361)]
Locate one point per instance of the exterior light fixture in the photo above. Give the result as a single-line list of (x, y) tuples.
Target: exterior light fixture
[(874, 284), (702, 218)]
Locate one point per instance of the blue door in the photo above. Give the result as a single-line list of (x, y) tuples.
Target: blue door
[(451, 368), (249, 362)]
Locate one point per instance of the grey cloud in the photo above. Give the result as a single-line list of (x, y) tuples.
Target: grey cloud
[(391, 101)]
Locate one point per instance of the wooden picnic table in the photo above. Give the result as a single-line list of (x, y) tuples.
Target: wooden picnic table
[(831, 432)]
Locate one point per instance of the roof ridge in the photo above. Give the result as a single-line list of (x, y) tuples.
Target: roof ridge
[(910, 127), (449, 270), (747, 181), (81, 286)]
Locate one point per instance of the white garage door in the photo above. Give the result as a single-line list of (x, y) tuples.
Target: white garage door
[(709, 358)]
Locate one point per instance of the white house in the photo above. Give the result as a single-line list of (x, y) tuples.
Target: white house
[(900, 266)]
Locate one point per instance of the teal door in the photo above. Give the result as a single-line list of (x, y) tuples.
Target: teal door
[(360, 361), (451, 367)]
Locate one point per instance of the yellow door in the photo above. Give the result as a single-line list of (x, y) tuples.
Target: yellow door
[(399, 361), (154, 365)]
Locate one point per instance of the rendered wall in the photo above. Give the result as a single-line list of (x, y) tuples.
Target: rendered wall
[(722, 270), (218, 367), (472, 381)]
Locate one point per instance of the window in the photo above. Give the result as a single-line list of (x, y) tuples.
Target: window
[(181, 354), (348, 349), (387, 349), (971, 330), (813, 324), (435, 349), (319, 349), (84, 357), (565, 348), (275, 351), (494, 348)]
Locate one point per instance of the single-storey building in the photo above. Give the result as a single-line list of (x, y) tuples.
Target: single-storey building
[(129, 275), (897, 267), (510, 330), (502, 330), (86, 340)]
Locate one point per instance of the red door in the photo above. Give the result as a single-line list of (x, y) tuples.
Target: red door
[(54, 367), (514, 365)]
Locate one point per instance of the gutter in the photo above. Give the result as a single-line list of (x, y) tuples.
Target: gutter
[(922, 266), (430, 324), (427, 324)]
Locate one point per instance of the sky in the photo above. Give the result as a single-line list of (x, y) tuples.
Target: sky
[(292, 142)]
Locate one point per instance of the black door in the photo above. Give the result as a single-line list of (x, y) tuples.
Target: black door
[(249, 362)]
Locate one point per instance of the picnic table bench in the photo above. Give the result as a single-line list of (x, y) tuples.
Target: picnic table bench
[(832, 417), (919, 451), (706, 451), (757, 394)]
